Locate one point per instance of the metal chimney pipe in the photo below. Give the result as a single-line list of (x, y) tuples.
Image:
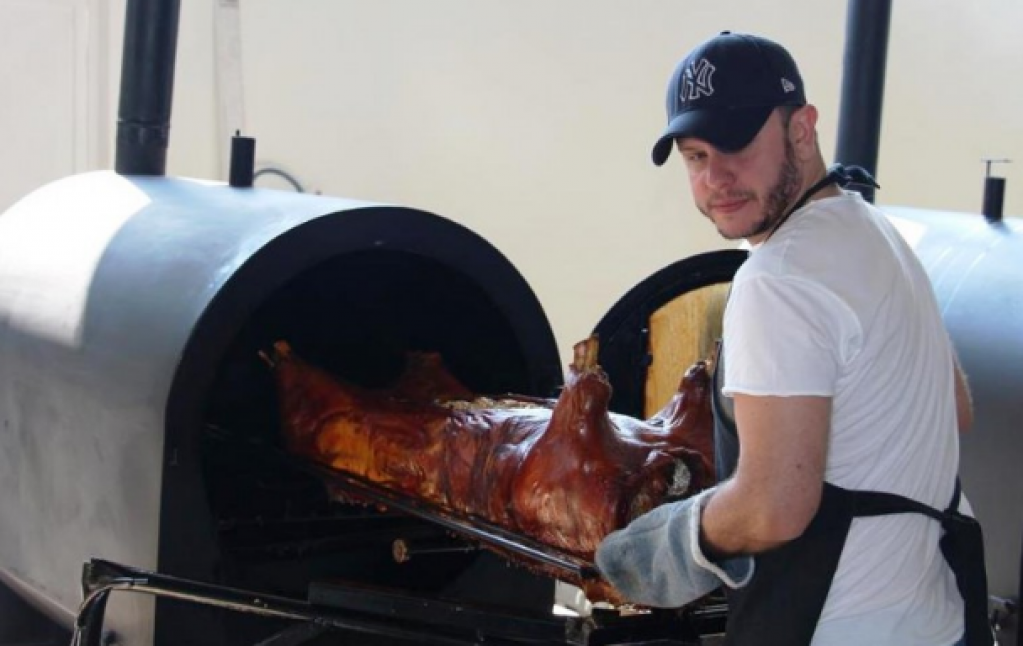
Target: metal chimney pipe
[(859, 117), (147, 86)]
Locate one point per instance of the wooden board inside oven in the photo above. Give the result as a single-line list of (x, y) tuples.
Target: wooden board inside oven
[(683, 331)]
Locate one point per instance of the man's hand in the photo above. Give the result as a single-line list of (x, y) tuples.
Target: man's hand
[(656, 560)]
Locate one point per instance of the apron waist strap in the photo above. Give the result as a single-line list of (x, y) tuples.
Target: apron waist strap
[(782, 604), (880, 503)]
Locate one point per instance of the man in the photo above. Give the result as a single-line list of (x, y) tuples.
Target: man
[(842, 380)]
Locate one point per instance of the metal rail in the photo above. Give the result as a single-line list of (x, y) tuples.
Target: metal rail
[(392, 614), (101, 577)]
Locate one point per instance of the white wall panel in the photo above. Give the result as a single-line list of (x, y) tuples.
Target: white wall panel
[(50, 115)]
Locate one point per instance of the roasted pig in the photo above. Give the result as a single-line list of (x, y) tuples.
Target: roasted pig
[(563, 472)]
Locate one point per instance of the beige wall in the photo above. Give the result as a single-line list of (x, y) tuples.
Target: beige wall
[(52, 56), (530, 121), (953, 96)]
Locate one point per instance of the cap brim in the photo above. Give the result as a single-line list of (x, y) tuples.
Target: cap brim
[(728, 129)]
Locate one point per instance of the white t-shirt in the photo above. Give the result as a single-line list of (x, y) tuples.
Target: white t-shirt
[(836, 304)]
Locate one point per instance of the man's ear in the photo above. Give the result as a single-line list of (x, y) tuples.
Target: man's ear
[(803, 131)]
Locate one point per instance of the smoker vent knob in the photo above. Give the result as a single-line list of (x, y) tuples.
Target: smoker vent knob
[(994, 190), (243, 160)]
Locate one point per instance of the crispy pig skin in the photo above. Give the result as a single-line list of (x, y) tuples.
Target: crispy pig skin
[(563, 472)]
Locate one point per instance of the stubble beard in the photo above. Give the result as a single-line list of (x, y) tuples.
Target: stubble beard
[(779, 199)]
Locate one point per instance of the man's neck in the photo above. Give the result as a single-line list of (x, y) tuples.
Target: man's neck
[(810, 179), (814, 174), (831, 190)]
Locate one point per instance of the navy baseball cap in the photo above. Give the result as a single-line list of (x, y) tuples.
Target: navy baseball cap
[(725, 89)]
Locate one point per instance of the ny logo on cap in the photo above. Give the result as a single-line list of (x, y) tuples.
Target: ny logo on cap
[(697, 81)]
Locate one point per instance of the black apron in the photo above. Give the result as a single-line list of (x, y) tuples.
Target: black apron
[(782, 603)]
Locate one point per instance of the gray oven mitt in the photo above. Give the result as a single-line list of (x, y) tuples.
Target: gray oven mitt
[(656, 559)]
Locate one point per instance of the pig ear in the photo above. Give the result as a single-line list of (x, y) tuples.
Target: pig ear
[(585, 354)]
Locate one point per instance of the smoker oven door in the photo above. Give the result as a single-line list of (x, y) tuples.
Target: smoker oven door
[(662, 326)]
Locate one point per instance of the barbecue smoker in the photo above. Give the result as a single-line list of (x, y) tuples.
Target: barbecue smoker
[(140, 420), (140, 425)]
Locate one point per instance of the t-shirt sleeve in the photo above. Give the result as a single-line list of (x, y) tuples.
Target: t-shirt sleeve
[(786, 336)]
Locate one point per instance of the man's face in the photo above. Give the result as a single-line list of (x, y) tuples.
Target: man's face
[(745, 193)]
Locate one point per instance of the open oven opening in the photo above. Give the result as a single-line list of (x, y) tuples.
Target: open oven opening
[(355, 315)]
